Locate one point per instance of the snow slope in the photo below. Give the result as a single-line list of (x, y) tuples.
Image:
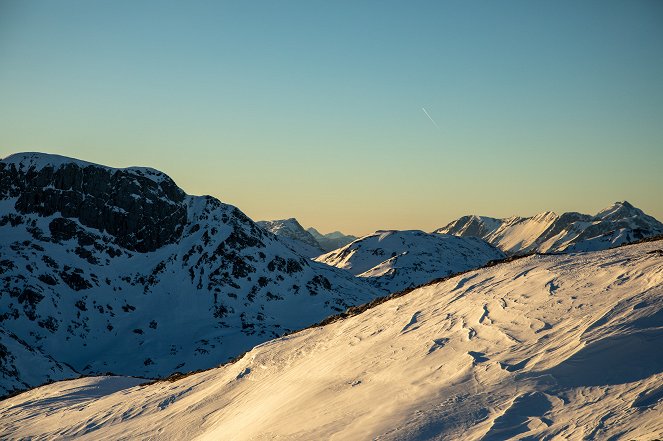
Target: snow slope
[(542, 347), (290, 232), (118, 270), (394, 260), (548, 232)]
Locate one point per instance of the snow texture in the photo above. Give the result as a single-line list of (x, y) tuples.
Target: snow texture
[(542, 347)]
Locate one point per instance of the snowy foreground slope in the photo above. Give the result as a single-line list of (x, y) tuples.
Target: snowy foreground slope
[(543, 347), (394, 260), (549, 232), (118, 270)]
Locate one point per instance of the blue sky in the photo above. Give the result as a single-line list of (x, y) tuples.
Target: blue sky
[(313, 109)]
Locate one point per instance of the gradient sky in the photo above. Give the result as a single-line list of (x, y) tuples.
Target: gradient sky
[(313, 109)]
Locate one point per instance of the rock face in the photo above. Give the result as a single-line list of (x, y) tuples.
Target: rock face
[(331, 241), (294, 235), (548, 232), (395, 260), (118, 270), (142, 208)]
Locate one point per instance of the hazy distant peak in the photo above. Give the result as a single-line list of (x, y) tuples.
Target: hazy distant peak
[(331, 241), (290, 230)]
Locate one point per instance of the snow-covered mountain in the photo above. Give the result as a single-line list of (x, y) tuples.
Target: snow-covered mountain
[(548, 232), (118, 270), (294, 235), (542, 347), (394, 260), (331, 241)]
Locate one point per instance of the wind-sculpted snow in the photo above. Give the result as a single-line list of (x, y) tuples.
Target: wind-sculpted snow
[(395, 260), (118, 270), (542, 347), (570, 232)]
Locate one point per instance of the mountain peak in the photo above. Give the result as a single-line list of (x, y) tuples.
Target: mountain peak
[(620, 209)]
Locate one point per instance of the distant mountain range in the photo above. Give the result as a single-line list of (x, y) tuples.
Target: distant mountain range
[(569, 232), (394, 260), (118, 270)]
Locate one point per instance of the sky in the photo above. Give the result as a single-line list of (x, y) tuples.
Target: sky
[(314, 109)]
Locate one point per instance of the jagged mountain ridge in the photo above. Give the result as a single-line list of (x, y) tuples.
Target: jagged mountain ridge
[(394, 260), (99, 264), (290, 232), (542, 347), (331, 241), (569, 232)]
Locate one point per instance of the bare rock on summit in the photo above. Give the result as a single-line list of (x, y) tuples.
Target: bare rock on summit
[(142, 209)]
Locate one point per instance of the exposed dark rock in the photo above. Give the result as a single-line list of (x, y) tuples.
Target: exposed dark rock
[(75, 280), (141, 214)]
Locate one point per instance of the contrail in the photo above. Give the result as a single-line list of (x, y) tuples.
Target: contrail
[(429, 117)]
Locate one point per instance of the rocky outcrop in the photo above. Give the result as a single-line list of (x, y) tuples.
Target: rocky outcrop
[(140, 212)]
